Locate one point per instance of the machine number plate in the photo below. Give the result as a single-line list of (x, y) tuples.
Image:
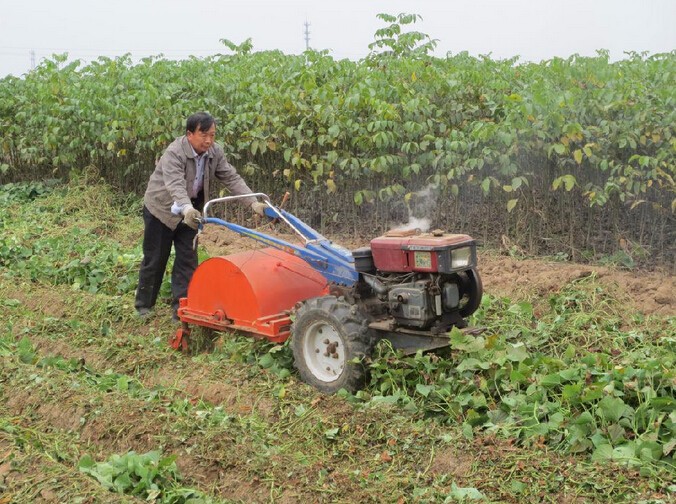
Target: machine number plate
[(423, 260)]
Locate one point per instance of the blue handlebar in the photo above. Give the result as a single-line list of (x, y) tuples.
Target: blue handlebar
[(334, 262)]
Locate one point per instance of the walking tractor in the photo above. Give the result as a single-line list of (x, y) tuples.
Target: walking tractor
[(408, 287)]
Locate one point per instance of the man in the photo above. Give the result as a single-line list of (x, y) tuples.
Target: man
[(175, 196)]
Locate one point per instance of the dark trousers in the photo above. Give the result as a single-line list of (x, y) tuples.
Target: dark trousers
[(157, 242)]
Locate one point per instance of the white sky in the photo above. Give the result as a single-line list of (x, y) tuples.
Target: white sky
[(532, 29)]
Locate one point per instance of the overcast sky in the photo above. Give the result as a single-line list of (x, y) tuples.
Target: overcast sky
[(533, 29)]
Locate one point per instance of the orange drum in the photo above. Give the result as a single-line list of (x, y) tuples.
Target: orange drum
[(251, 291)]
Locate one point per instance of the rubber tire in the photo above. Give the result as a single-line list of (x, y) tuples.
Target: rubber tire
[(472, 288), (351, 326)]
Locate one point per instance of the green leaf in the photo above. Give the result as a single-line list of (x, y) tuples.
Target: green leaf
[(523, 309), (602, 453), (569, 181), (123, 383), (465, 493), (517, 352), (517, 486), (649, 450), (591, 394), (332, 433), (424, 389), (570, 374), (571, 393), (577, 155), (511, 204), (517, 377), (486, 185), (669, 447), (466, 342), (615, 433), (611, 408), (266, 361), (625, 452), (86, 463), (551, 380), (472, 364)]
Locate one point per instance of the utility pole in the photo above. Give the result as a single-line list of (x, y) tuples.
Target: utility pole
[(32, 53), (307, 35)]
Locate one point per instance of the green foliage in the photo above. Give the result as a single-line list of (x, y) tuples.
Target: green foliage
[(278, 360), (572, 140), (396, 43), (89, 259), (148, 476), (540, 381), (15, 194)]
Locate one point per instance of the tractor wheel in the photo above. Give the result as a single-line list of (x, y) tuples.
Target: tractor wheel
[(472, 291), (327, 335)]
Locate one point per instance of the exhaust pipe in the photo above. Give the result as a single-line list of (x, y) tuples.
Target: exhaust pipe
[(376, 284)]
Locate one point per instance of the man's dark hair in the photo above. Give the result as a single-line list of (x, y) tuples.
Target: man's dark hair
[(200, 121)]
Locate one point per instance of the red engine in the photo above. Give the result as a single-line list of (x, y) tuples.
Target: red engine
[(421, 280), (436, 252)]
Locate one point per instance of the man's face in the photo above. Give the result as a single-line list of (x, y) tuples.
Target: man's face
[(202, 140)]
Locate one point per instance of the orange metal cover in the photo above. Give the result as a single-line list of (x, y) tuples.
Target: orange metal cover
[(252, 285)]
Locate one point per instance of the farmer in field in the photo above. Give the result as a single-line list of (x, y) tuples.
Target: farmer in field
[(173, 202)]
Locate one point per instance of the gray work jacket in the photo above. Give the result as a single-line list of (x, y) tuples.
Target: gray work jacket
[(175, 173)]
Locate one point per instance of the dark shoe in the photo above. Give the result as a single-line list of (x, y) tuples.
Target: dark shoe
[(143, 313), (174, 317)]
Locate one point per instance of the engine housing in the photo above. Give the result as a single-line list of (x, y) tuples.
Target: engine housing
[(436, 252), (421, 280)]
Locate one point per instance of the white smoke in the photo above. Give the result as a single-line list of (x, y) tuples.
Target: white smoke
[(415, 223), (424, 202)]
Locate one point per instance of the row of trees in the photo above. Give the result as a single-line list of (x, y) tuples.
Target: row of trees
[(567, 156)]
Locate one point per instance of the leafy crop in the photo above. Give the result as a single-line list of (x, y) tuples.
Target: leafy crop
[(149, 476), (570, 379), (569, 156), (87, 258)]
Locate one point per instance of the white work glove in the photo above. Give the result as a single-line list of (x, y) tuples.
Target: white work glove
[(259, 208), (191, 217)]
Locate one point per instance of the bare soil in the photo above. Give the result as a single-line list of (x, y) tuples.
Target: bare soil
[(107, 423), (645, 292)]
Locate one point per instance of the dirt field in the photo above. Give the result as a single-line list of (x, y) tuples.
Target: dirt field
[(242, 435)]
